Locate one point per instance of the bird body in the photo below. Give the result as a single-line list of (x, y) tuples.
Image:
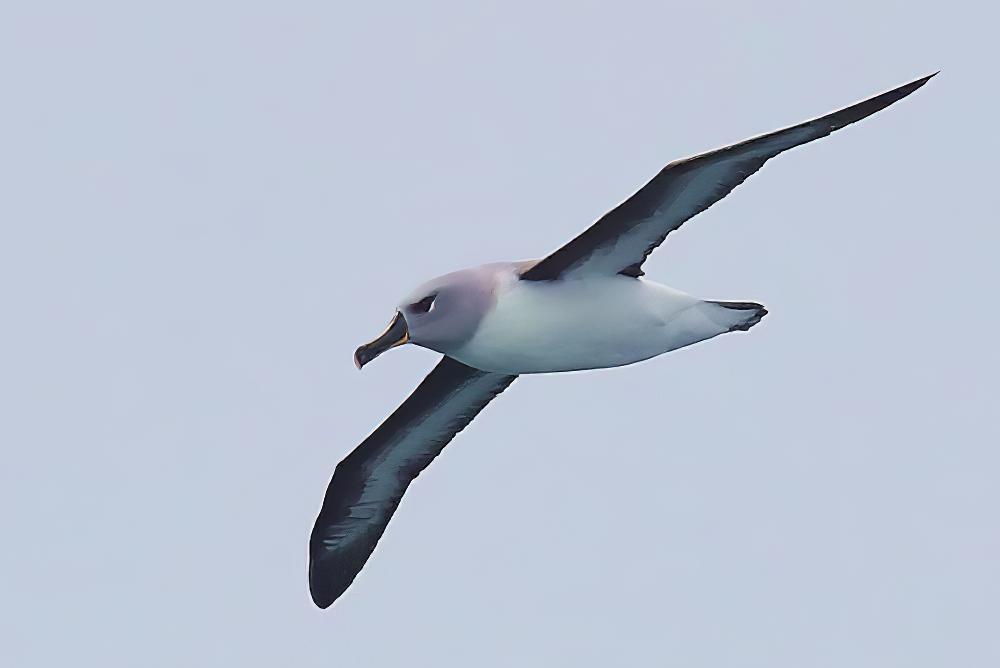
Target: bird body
[(588, 323)]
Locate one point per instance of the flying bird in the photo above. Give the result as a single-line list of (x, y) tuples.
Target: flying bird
[(585, 306)]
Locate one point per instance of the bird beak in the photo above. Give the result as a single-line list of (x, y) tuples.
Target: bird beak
[(396, 334)]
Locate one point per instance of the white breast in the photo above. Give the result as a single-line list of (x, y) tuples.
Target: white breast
[(590, 323)]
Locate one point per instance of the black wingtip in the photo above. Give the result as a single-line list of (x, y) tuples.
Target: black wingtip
[(921, 81), (330, 574), (865, 108), (325, 593)]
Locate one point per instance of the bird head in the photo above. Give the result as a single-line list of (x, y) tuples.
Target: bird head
[(442, 314)]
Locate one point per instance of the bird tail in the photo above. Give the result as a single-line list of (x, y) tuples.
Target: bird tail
[(738, 315)]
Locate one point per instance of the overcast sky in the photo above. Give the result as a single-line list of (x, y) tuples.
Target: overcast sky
[(207, 206)]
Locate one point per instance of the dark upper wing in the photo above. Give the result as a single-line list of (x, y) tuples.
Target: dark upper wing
[(621, 240), (368, 484)]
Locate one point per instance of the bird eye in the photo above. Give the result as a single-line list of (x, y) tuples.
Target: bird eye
[(424, 305)]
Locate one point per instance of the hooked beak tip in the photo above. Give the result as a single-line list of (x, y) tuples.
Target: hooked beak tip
[(396, 334)]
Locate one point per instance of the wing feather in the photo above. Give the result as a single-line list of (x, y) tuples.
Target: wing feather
[(625, 236), (369, 483)]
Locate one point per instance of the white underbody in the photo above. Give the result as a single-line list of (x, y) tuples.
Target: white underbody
[(589, 323)]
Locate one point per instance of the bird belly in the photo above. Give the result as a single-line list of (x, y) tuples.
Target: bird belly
[(569, 325)]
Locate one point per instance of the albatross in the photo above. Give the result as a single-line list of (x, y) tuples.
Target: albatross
[(585, 306)]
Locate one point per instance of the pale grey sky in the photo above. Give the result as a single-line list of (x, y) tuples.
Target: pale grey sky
[(207, 206)]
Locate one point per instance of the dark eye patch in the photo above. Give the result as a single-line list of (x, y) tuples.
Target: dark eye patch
[(424, 305)]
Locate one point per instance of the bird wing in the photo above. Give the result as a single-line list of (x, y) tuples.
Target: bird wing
[(624, 237), (369, 483)]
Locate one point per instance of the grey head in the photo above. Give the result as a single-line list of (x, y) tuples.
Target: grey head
[(443, 313)]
